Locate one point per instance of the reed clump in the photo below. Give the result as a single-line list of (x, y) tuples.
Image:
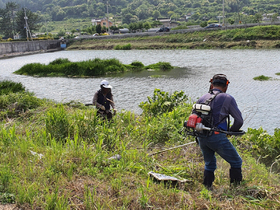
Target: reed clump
[(262, 78), (90, 68), (63, 156)]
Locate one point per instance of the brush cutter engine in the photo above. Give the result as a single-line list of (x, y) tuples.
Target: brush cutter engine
[(194, 125), (195, 121), (200, 122)]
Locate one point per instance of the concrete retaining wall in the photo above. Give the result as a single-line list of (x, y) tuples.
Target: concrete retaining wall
[(28, 46)]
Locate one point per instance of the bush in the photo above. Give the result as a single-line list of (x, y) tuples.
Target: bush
[(263, 146), (7, 87), (127, 47), (162, 102), (164, 66), (124, 47), (203, 24), (136, 66), (13, 104), (59, 61)]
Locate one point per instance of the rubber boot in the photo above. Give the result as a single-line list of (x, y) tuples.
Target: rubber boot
[(235, 176), (208, 179)]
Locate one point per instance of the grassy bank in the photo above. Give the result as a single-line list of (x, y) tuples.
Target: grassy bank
[(90, 68), (59, 156), (249, 38)]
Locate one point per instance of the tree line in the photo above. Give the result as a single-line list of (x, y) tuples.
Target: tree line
[(128, 13), (139, 10), (15, 20)]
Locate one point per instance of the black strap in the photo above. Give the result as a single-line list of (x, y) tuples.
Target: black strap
[(208, 101)]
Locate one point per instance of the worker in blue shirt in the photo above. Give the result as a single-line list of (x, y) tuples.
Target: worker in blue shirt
[(213, 142)]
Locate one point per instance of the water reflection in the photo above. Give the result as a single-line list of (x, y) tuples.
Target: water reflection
[(257, 100)]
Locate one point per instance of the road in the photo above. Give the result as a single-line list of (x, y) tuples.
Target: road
[(190, 30)]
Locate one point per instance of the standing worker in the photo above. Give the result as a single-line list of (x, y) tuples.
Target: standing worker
[(103, 99), (222, 105)]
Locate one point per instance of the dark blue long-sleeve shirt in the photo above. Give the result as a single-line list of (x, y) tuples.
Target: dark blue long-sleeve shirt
[(222, 106)]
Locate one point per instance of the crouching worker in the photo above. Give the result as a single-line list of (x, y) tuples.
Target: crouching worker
[(222, 105), (103, 100)]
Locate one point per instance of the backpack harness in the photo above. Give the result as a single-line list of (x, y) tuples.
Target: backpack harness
[(200, 123)]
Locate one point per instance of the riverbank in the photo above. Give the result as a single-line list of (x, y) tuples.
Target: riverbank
[(20, 48), (17, 54), (258, 37), (63, 156)]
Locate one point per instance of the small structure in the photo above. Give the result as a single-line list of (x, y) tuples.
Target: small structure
[(103, 22), (167, 22), (62, 43), (164, 21)]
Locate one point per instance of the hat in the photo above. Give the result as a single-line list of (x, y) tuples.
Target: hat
[(219, 78), (105, 84)]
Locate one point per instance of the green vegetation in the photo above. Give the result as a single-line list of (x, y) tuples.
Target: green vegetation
[(247, 38), (124, 47), (59, 156), (261, 78), (14, 100), (67, 17), (162, 66), (277, 73), (7, 87), (96, 67)]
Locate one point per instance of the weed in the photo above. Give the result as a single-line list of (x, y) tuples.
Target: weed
[(262, 78)]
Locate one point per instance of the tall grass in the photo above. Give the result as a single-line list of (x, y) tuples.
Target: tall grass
[(124, 47), (96, 67), (7, 87), (60, 157)]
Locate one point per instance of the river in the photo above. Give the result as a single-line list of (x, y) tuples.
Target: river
[(257, 100)]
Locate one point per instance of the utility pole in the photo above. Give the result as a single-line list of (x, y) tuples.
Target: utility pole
[(27, 27), (108, 17), (223, 12)]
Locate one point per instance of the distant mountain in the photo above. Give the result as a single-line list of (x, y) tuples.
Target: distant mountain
[(135, 10)]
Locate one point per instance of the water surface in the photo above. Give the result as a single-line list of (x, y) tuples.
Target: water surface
[(258, 100)]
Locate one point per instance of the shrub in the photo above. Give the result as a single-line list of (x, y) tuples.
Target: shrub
[(124, 47), (127, 47), (162, 102), (136, 66), (164, 66), (264, 146), (71, 69), (13, 104), (7, 87), (203, 24), (59, 61), (117, 47)]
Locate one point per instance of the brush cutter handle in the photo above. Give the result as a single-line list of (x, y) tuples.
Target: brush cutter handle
[(231, 133)]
